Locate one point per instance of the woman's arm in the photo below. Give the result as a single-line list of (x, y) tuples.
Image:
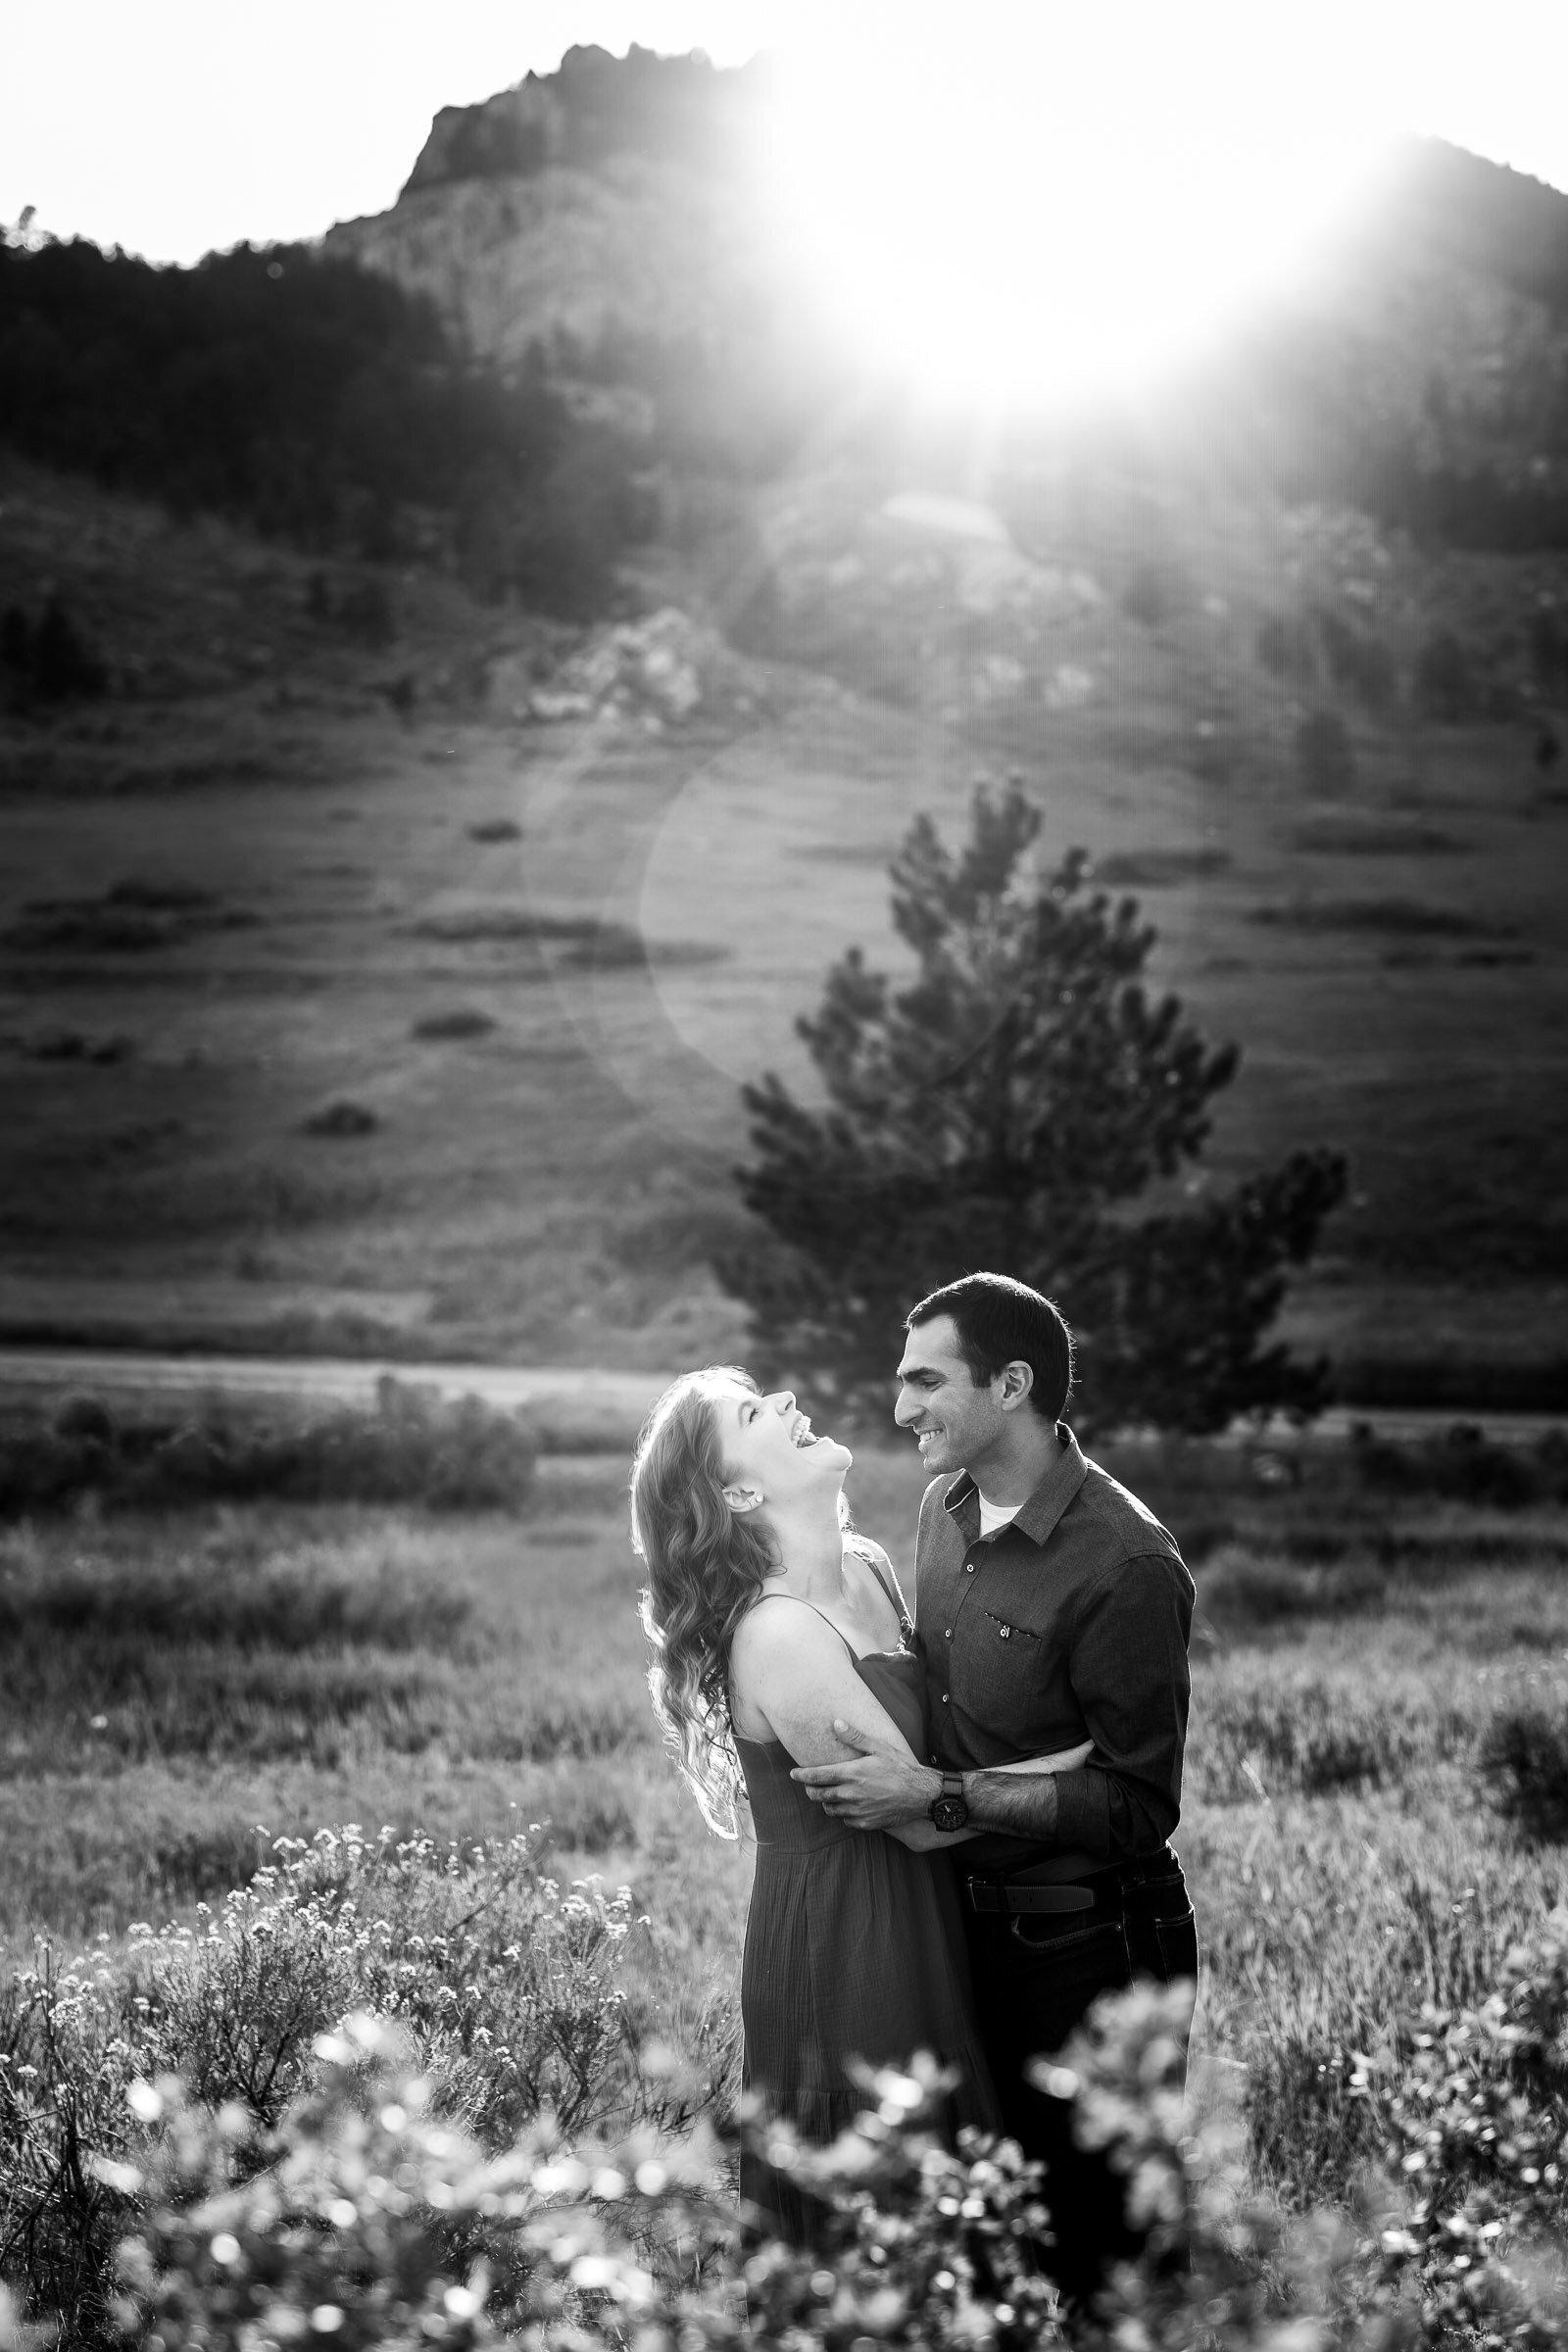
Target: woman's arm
[(885, 1788), (793, 1670)]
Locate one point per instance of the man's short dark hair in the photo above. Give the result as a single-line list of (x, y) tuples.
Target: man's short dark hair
[(1000, 1322)]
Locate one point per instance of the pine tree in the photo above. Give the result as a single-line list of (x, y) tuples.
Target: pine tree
[(1007, 1110)]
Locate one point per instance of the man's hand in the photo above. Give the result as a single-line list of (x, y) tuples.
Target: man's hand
[(880, 1788)]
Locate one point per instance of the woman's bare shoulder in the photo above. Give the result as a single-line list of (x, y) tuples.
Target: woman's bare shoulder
[(775, 1624)]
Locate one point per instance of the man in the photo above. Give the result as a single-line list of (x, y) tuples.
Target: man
[(1052, 1609)]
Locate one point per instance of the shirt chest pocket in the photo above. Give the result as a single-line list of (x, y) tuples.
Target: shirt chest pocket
[(1000, 1667)]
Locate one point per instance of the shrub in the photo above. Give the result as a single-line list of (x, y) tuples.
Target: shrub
[(1161, 868), (1325, 756), (368, 2224), (365, 2214), (464, 1020), (341, 1120), (372, 2225), (1524, 1763), (504, 1988), (1374, 837), (1412, 917), (1477, 2109), (414, 1448), (1463, 1465), (51, 658), (1357, 660), (1156, 592), (1445, 683), (1284, 648)]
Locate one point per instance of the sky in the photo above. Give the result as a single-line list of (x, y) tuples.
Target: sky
[(175, 126)]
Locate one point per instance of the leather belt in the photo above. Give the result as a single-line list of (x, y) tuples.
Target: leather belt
[(1021, 1902), (1062, 1882)]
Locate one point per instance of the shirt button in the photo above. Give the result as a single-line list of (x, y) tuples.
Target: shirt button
[(944, 1698), (968, 1567), (947, 1633)]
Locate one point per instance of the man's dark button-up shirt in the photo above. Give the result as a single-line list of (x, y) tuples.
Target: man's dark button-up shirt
[(1070, 1623)]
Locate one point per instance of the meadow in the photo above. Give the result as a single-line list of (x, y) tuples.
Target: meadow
[(425, 1731), (181, 1687)]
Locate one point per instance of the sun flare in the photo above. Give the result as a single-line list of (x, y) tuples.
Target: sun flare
[(1015, 224)]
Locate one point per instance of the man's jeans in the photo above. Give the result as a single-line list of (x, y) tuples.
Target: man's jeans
[(1033, 1978)]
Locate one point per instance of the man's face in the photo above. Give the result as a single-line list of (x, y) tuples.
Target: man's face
[(956, 1423)]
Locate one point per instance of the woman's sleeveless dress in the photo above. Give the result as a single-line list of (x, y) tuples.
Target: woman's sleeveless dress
[(855, 1948)]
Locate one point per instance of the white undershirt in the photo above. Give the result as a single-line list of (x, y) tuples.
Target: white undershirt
[(994, 1514)]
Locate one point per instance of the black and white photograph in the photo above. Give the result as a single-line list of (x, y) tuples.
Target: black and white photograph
[(783, 1177)]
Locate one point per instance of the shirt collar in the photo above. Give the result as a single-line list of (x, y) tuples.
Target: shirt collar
[(1045, 1506)]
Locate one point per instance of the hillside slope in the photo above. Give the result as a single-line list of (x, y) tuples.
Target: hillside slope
[(391, 985), (325, 1025)]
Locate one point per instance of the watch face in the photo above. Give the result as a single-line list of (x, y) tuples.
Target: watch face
[(950, 1813)]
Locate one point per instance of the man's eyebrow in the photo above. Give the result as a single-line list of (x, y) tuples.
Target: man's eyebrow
[(917, 1372)]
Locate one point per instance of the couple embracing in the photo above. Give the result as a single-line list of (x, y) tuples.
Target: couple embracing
[(962, 1810)]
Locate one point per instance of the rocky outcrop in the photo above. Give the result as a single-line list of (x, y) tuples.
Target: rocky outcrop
[(649, 673), (638, 249), (676, 109), (608, 201)]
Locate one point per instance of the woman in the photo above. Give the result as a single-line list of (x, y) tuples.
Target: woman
[(769, 1619)]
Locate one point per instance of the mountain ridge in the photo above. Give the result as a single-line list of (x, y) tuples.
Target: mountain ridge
[(594, 106), (609, 216)]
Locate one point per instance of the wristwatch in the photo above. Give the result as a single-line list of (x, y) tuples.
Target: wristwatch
[(949, 1810)]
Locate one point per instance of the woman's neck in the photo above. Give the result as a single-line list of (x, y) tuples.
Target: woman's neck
[(811, 1547)]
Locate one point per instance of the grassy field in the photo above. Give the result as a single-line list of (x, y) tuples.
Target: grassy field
[(341, 1008), (172, 1683)]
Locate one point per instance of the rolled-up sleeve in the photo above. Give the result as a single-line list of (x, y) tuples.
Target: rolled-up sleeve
[(1129, 1673)]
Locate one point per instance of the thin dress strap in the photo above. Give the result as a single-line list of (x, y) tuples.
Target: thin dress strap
[(889, 1584)]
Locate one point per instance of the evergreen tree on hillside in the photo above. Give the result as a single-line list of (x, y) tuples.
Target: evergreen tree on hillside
[(1008, 1109), (313, 401)]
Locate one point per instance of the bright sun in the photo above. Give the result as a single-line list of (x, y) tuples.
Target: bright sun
[(1024, 222)]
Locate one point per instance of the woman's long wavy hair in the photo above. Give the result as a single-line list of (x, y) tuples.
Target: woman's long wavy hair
[(707, 1565)]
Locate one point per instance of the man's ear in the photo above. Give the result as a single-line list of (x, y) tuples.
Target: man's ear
[(744, 1498), (1017, 1379)]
